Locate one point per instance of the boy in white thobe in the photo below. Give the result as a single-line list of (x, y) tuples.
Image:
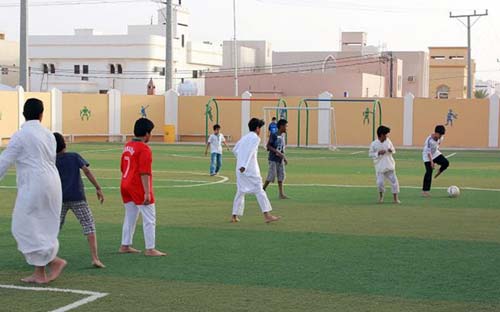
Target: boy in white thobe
[(248, 178), (381, 151), (35, 220)]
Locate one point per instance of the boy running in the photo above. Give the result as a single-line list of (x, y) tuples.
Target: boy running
[(215, 142), (137, 189), (277, 159), (381, 151), (69, 166), (248, 178), (433, 156)]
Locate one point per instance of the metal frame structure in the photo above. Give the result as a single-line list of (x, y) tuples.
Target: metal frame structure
[(215, 101), (304, 102)]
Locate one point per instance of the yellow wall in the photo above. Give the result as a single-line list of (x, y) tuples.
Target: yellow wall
[(469, 130), (191, 117), (47, 107), (96, 103), (9, 114), (131, 111)]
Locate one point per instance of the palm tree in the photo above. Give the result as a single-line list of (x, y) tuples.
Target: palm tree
[(481, 94)]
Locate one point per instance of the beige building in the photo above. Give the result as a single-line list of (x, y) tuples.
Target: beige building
[(448, 72), (9, 62)]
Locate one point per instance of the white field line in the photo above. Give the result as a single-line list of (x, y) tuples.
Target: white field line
[(451, 155), (101, 150), (93, 296), (356, 153)]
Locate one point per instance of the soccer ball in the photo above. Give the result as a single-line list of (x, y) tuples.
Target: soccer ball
[(453, 191)]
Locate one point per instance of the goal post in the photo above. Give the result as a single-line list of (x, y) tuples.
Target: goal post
[(325, 126)]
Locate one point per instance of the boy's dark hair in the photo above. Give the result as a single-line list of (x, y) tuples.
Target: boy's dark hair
[(440, 129), (282, 122), (142, 127), (216, 126), (33, 108), (382, 130), (255, 123), (274, 119), (61, 143)]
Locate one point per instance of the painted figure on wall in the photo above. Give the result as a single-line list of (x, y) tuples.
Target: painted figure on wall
[(144, 113), (366, 116), (85, 113), (450, 117)]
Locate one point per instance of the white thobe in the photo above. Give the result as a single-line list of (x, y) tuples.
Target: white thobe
[(35, 220), (385, 166), (250, 181)]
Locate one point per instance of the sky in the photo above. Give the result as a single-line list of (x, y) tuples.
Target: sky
[(298, 25)]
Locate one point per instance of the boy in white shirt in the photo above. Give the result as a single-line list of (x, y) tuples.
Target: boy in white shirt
[(433, 156), (381, 151), (215, 142)]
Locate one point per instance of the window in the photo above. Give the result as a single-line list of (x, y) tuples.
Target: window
[(85, 69), (77, 69), (52, 69), (103, 91), (457, 58), (182, 41), (112, 69), (438, 57), (85, 78), (442, 92), (45, 68), (5, 71), (120, 68)]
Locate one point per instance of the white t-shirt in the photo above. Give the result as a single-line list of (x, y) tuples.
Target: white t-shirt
[(216, 143), (431, 146), (383, 163)]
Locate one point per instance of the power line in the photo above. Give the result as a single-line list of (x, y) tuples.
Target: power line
[(74, 3)]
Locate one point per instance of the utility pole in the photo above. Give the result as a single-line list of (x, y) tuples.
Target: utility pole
[(235, 52), (469, 50), (391, 75), (168, 47), (23, 57)]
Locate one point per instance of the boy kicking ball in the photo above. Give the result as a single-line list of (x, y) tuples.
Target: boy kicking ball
[(381, 151), (69, 166), (137, 189), (432, 156)]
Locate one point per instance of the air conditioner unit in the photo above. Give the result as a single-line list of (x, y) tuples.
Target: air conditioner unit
[(412, 78)]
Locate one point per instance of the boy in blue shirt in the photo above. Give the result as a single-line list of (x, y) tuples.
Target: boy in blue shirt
[(277, 159), (273, 127), (69, 166)]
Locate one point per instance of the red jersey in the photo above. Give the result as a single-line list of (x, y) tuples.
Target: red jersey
[(137, 160)]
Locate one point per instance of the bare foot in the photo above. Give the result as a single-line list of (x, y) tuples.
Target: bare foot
[(98, 264), (56, 267), (437, 174), (381, 200), (397, 202), (235, 219), (284, 197), (35, 279), (128, 249), (271, 218), (154, 253), (426, 194)]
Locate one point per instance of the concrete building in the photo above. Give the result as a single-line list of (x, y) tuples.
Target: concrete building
[(256, 55), (91, 62), (400, 72), (448, 72), (9, 62)]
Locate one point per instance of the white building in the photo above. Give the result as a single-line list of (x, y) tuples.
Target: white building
[(91, 62), (256, 55), (9, 62)]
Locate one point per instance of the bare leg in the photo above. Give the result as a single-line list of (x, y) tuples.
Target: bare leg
[(270, 218), (39, 276), (56, 267), (396, 198), (154, 253), (380, 197), (235, 219), (282, 192), (93, 251), (128, 249), (266, 184)]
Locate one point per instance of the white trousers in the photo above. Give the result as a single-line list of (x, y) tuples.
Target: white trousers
[(250, 185), (391, 176), (148, 220)]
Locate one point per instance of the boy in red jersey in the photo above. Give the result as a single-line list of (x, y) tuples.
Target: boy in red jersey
[(137, 189)]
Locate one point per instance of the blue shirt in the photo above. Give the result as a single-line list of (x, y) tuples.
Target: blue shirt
[(278, 143), (69, 165), (273, 128)]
